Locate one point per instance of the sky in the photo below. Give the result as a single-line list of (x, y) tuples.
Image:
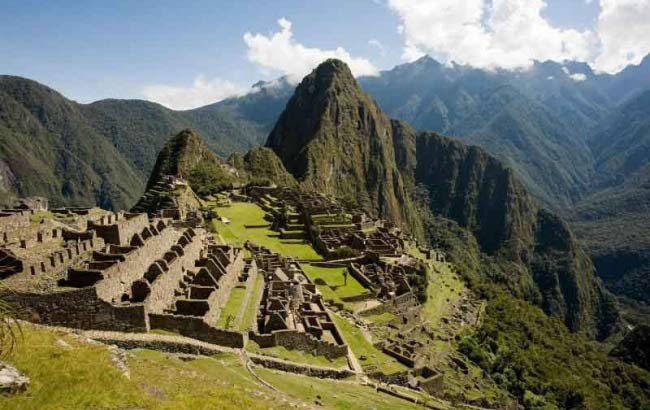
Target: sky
[(185, 54)]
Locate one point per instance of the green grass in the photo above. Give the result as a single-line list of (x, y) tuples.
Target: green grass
[(362, 347), (251, 308), (83, 377), (335, 280), (381, 318), (297, 356), (339, 395), (442, 291), (229, 312), (241, 214)]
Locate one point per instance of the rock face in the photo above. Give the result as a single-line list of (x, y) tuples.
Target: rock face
[(333, 138), (635, 347), (11, 380)]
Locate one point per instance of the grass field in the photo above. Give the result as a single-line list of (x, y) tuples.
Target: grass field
[(381, 318), (82, 377), (340, 395), (242, 214), (229, 312), (250, 313), (362, 347), (443, 290), (336, 289)]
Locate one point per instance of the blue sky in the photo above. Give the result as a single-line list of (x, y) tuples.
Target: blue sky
[(163, 49)]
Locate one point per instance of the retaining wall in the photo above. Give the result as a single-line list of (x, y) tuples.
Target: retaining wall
[(196, 328), (79, 308)]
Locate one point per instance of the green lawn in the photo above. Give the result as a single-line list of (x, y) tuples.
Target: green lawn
[(381, 318), (298, 356), (334, 394), (250, 313), (335, 280), (242, 214), (362, 347), (229, 312)]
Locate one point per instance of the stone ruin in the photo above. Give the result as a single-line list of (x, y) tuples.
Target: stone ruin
[(292, 313), (124, 271), (388, 282), (323, 220), (170, 197), (34, 247)]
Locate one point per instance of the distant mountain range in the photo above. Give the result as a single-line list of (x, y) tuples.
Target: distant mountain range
[(578, 140)]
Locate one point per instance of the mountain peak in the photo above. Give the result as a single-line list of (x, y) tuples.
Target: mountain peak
[(332, 74), (180, 156), (333, 138)]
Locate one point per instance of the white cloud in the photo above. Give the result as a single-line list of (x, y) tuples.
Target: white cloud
[(378, 45), (488, 33), (200, 93), (577, 77), (280, 52), (512, 33), (624, 30)]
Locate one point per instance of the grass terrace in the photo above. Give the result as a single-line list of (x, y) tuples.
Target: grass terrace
[(247, 223), (250, 314), (229, 313), (334, 289), (443, 290), (375, 359)]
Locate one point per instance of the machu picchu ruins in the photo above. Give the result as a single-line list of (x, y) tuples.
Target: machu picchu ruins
[(165, 266)]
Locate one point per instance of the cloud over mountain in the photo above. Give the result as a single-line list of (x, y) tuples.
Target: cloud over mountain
[(280, 52), (201, 92), (512, 33)]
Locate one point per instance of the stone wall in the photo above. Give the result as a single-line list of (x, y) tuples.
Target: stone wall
[(80, 308), (292, 339), (12, 224), (226, 284), (360, 277), (162, 288), (313, 371), (197, 328), (118, 278), (119, 229), (64, 257)]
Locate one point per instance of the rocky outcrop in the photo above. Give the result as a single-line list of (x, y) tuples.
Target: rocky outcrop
[(12, 381)]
